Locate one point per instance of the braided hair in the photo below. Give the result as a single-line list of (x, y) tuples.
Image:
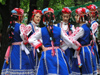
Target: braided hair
[(16, 15), (69, 27), (96, 15), (87, 18), (11, 28), (49, 17)]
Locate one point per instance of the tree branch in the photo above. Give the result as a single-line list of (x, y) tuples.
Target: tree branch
[(32, 7)]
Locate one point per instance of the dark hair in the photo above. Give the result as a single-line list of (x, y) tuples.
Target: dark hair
[(96, 15), (69, 26), (50, 17), (87, 18), (41, 22), (11, 27)]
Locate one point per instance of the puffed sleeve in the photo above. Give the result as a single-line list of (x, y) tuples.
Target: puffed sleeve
[(28, 29), (24, 32), (94, 27), (78, 33), (34, 39), (70, 42)]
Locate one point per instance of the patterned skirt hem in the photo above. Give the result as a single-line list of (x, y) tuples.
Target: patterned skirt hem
[(18, 72), (76, 73)]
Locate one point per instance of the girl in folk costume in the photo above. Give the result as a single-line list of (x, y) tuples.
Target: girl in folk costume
[(93, 16), (35, 19), (16, 58), (69, 29), (52, 61), (83, 35), (65, 24)]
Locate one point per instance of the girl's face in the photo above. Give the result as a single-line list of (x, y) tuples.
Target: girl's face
[(65, 17), (37, 18)]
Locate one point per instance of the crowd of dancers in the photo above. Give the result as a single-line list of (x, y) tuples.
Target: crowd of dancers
[(66, 49)]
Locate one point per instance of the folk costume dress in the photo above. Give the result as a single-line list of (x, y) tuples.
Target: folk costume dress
[(34, 27), (82, 34), (19, 61), (94, 26), (68, 51), (52, 65)]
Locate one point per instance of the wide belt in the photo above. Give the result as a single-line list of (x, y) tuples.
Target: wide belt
[(22, 47)]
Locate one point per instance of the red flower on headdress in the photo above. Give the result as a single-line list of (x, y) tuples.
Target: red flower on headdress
[(37, 11), (19, 11), (79, 11), (49, 10), (83, 10), (66, 10), (91, 7), (88, 7)]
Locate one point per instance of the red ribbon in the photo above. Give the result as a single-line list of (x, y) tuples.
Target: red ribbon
[(53, 51)]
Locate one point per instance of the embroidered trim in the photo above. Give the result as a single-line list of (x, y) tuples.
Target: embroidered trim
[(90, 58), (57, 61), (17, 72), (38, 45), (49, 48), (94, 27), (76, 31), (64, 59), (95, 72), (83, 53), (45, 61), (16, 43), (76, 73), (20, 58), (10, 56), (52, 74), (33, 34), (38, 67)]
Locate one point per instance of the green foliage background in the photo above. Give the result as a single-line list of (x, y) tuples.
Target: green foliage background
[(57, 5)]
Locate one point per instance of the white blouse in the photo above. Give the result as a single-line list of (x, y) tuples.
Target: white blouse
[(94, 26), (78, 33), (68, 40), (35, 26), (64, 26)]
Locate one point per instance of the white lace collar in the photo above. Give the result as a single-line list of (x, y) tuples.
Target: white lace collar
[(33, 23), (64, 23)]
